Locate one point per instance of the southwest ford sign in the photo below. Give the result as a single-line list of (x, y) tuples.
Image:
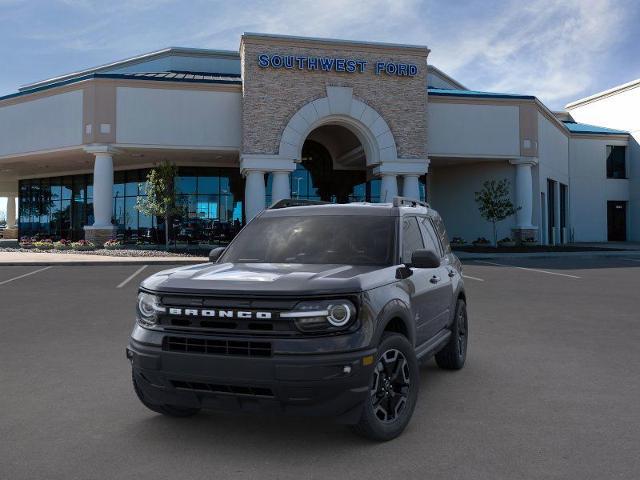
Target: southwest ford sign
[(334, 64)]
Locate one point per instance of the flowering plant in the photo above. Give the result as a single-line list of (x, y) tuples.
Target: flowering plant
[(83, 245), (46, 244), (26, 242), (62, 244), (112, 244)]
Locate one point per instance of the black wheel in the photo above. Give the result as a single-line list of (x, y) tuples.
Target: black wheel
[(169, 410), (454, 354), (394, 390)]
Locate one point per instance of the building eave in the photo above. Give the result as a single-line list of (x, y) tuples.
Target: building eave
[(116, 76), (605, 93)]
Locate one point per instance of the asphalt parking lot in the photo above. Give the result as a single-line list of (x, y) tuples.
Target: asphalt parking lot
[(551, 388)]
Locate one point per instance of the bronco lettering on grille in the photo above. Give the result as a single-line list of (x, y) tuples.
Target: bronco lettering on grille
[(192, 312)]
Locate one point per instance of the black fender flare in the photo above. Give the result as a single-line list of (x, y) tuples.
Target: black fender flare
[(395, 309)]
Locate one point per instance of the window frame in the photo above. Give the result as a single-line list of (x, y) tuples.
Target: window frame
[(608, 150)]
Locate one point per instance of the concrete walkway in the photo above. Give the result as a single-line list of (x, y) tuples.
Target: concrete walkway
[(593, 253), (35, 259)]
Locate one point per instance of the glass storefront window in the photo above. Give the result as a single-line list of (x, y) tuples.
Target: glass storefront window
[(303, 187), (186, 185), (60, 207)]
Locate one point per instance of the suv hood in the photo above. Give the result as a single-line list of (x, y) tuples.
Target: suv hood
[(270, 278)]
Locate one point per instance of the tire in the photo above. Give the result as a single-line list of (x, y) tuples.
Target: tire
[(454, 354), (395, 383), (168, 410)]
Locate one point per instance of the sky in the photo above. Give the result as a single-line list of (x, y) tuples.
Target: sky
[(557, 50)]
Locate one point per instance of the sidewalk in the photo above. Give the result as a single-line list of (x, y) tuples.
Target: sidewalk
[(37, 259), (464, 256)]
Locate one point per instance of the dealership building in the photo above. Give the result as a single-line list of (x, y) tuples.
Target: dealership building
[(310, 118)]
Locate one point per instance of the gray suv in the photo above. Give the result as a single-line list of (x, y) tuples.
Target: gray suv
[(313, 309)]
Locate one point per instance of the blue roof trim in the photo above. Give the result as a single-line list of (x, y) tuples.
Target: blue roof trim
[(585, 128), (225, 80), (444, 92)]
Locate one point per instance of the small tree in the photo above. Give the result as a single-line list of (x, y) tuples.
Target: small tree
[(494, 203), (161, 200)]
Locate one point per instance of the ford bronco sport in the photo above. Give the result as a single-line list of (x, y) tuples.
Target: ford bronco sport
[(313, 309)]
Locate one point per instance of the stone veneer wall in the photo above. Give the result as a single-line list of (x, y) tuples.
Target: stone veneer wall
[(272, 96)]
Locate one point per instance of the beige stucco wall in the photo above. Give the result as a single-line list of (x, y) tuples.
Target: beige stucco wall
[(272, 96), (178, 117), (50, 122), (460, 129)]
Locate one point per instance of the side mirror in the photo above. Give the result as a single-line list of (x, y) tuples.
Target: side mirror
[(424, 258), (214, 254)]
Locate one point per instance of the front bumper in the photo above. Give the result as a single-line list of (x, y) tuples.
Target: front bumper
[(314, 384)]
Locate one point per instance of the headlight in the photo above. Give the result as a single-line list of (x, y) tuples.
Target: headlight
[(148, 308), (322, 315)]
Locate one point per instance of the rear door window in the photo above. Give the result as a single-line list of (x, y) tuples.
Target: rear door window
[(430, 238), (411, 238), (442, 233)]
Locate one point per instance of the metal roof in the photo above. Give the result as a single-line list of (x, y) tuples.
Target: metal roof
[(444, 92), (176, 75), (134, 60), (187, 77), (585, 128)]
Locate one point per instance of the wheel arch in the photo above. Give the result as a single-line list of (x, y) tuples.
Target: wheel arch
[(396, 317)]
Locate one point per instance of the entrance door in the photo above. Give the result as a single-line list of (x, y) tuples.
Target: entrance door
[(617, 221)]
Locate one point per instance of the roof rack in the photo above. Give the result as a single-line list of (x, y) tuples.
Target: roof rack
[(408, 202), (295, 202)]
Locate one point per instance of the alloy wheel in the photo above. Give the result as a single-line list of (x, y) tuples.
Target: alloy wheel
[(391, 383)]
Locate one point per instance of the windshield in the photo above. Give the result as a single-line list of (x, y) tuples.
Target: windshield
[(350, 240)]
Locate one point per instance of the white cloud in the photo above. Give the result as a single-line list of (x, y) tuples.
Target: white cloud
[(546, 48)]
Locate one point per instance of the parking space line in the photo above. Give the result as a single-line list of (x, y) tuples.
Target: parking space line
[(529, 269), (25, 275), (473, 278), (132, 276)]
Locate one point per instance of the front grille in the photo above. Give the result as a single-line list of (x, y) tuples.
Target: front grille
[(228, 389), (217, 346), (274, 326)]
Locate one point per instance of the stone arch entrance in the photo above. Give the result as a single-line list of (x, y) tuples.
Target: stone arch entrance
[(338, 110), (333, 167), (339, 107)]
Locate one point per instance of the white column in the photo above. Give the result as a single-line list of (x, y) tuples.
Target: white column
[(103, 190), (388, 188), (11, 212), (254, 193), (524, 193), (280, 186), (411, 187)]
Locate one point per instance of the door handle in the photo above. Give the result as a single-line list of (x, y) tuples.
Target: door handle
[(435, 279)]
